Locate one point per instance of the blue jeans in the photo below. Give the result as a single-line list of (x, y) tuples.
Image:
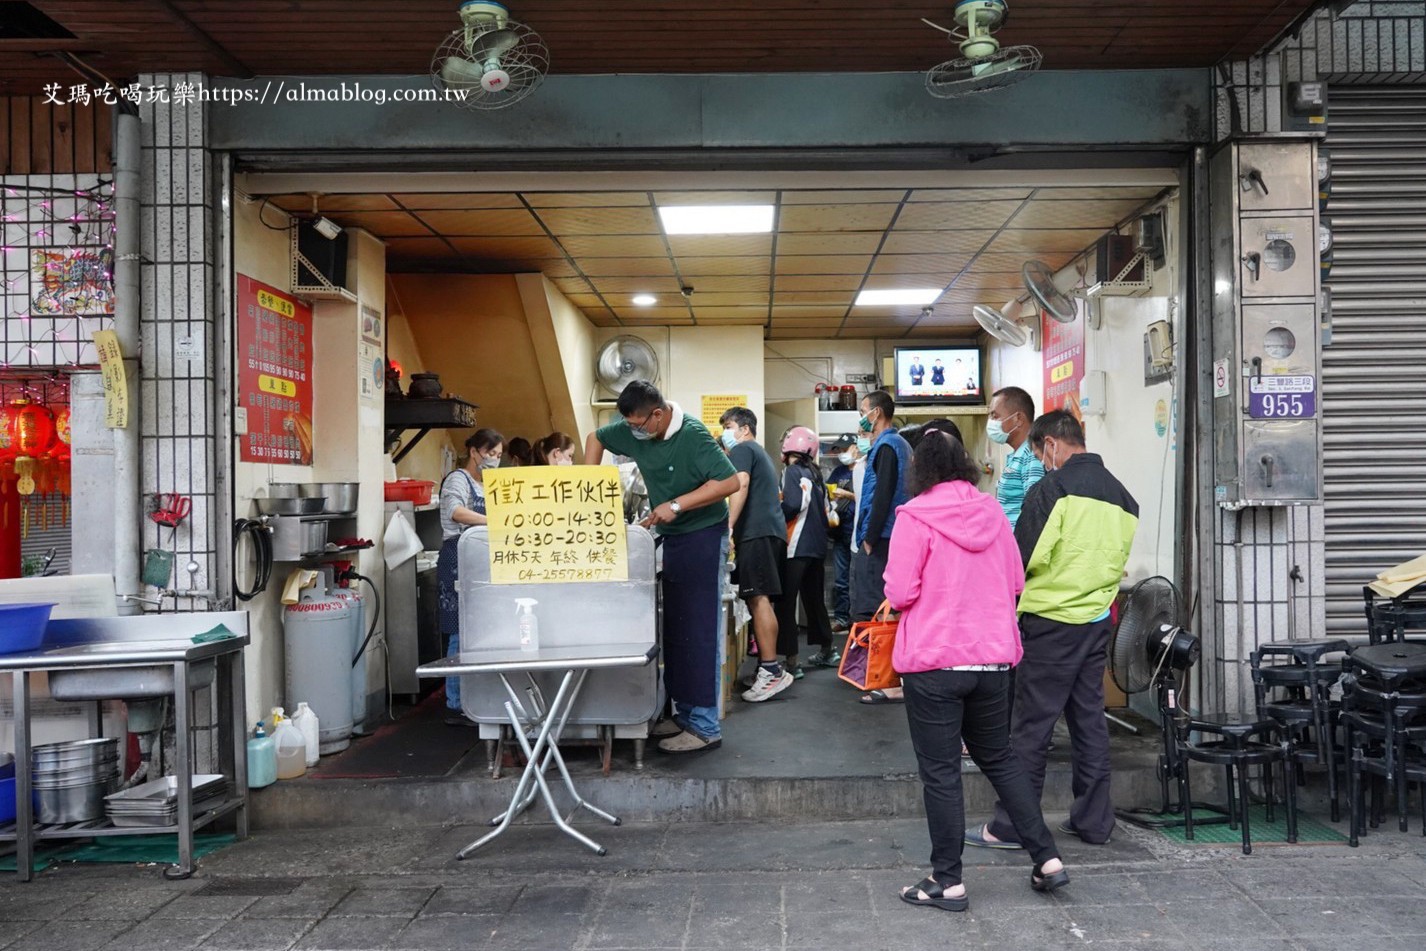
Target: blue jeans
[(700, 720), (453, 683), (842, 581)]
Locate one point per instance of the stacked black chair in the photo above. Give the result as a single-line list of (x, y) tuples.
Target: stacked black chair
[(1395, 619), (1385, 726), (1240, 746), (1293, 690)]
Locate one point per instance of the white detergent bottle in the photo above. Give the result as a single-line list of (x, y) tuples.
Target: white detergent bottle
[(291, 750), (306, 722), (527, 624)]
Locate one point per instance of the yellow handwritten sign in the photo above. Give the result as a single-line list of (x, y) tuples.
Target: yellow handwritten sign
[(553, 524), (715, 405), (116, 382)]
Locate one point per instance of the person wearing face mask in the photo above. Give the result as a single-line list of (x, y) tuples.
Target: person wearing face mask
[(883, 491), (1011, 412), (1074, 535), (462, 506), (688, 479), (844, 501), (556, 449), (760, 543)]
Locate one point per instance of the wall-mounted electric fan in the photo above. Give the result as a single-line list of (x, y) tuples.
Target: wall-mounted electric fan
[(492, 61), (1008, 330), (623, 360), (1040, 283), (983, 64)]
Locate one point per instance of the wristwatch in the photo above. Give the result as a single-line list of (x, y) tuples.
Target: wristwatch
[(673, 504)]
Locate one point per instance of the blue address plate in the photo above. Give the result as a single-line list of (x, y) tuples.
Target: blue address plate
[(1282, 397)]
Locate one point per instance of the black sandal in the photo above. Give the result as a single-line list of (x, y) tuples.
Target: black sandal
[(1042, 881), (935, 896)]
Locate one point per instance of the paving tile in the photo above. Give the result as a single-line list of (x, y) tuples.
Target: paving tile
[(311, 900), (1377, 944), (222, 907), (471, 900), (447, 933), (12, 931), (1112, 889), (734, 928), (165, 934), (1239, 917), (537, 932), (622, 926), (257, 934), (128, 903), (822, 931), (47, 905), (392, 902), (1026, 927), (554, 900), (1095, 923), (1314, 917), (751, 898), (72, 936), (1400, 916), (352, 934), (1182, 885)]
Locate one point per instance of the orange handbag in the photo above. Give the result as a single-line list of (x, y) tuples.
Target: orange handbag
[(866, 660)]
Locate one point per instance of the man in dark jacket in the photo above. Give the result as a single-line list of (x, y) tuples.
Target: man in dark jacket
[(840, 535), (1074, 533)]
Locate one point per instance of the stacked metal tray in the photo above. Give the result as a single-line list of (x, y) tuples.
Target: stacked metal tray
[(155, 803)]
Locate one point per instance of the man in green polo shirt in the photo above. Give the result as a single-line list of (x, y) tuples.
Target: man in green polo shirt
[(688, 479)]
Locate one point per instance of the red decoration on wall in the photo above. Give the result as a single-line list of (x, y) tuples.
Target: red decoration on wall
[(1063, 355)]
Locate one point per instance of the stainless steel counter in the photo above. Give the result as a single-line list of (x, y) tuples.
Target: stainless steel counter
[(124, 644)]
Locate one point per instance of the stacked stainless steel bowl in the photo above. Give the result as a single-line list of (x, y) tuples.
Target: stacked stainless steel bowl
[(71, 779)]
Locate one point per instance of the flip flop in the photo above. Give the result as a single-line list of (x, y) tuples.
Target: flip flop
[(878, 696)]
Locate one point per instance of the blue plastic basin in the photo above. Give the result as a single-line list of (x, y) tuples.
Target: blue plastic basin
[(7, 800), (22, 626)]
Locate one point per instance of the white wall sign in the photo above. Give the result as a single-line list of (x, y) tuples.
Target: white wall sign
[(1221, 385), (189, 346)]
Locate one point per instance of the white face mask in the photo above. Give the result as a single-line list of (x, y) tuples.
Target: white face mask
[(846, 458), (563, 460), (489, 462)]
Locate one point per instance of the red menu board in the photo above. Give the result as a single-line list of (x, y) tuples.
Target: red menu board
[(1063, 354), (274, 374)]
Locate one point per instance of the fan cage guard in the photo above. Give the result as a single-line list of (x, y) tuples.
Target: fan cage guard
[(1000, 323), (1149, 604), (954, 79), (526, 62), (617, 361), (1037, 276)]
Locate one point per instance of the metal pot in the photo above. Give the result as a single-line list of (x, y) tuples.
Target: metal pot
[(341, 497), (284, 490), (314, 536), (424, 386), (72, 803), (290, 506)]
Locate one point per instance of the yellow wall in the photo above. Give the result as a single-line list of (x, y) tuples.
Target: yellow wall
[(472, 330), (714, 361)]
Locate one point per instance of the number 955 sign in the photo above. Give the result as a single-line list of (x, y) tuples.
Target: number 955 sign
[(1282, 397)]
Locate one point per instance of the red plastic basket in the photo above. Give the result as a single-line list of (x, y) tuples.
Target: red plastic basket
[(415, 491)]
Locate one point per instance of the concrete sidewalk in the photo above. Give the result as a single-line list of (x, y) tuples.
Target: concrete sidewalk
[(749, 886)]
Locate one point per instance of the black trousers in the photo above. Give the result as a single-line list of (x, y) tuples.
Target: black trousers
[(944, 707), (868, 581), (1063, 672), (805, 578)]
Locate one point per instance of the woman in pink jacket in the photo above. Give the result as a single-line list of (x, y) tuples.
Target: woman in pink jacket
[(954, 572)]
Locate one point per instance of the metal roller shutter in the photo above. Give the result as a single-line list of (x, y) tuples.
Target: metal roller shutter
[(1374, 372)]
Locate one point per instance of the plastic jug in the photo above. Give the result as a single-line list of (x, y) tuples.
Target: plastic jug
[(262, 759), (291, 750), (306, 722), (527, 624)]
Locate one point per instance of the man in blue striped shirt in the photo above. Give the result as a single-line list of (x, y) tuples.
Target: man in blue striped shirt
[(1012, 410)]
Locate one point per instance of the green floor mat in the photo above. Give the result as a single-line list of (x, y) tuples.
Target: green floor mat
[(1309, 829), (124, 849)]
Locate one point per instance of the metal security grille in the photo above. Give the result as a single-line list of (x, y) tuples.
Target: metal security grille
[(1374, 386)]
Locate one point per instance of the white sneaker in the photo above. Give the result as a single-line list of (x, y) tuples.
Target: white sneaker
[(767, 685)]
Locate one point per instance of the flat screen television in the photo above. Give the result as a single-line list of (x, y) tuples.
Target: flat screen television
[(949, 375)]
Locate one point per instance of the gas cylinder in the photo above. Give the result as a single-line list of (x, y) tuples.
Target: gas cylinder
[(358, 671), (317, 631)]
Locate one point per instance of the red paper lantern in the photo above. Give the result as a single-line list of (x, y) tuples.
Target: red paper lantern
[(31, 428), (60, 449), (7, 437)]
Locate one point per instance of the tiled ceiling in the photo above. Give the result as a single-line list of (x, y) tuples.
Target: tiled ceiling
[(602, 248)]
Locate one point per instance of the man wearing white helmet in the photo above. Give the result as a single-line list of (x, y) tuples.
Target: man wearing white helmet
[(806, 506)]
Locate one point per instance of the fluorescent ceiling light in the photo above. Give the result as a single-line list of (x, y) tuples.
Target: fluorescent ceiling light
[(645, 300), (716, 219), (899, 297)]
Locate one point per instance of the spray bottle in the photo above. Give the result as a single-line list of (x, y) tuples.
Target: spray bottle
[(527, 624)]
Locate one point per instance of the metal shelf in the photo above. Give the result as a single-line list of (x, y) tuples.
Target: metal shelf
[(423, 416), (105, 827)]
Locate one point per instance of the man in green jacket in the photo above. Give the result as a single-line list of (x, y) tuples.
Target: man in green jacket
[(1074, 533)]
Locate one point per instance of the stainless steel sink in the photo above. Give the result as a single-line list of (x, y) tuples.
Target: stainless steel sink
[(125, 682)]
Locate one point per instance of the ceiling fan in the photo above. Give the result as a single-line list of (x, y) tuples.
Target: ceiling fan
[(983, 64), (492, 61)]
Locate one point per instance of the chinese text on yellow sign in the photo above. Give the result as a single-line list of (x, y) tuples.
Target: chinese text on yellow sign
[(715, 405), (556, 524)]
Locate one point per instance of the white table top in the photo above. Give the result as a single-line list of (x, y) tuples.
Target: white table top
[(583, 657)]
